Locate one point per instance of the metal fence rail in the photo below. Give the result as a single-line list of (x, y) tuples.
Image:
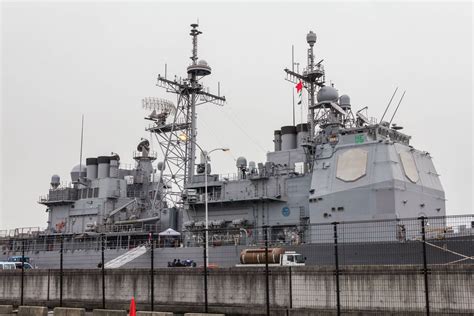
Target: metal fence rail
[(407, 265)]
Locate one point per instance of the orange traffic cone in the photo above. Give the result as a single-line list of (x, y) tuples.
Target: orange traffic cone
[(133, 308)]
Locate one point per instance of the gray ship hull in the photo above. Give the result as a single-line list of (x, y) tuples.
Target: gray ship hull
[(448, 251)]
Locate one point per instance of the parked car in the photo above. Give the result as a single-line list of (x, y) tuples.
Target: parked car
[(7, 266), (27, 265), (18, 259)]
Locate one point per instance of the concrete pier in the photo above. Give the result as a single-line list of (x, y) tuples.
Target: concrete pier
[(310, 290)]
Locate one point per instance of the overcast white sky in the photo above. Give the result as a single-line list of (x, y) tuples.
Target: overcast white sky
[(61, 60)]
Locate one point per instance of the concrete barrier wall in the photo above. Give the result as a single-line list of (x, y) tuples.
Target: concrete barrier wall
[(375, 288), (67, 311), (32, 311), (6, 309)]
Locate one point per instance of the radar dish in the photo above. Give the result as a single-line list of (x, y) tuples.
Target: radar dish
[(158, 105)]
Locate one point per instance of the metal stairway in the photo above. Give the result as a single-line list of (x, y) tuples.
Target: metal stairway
[(125, 258)]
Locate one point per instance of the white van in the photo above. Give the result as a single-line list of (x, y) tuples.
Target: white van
[(7, 266)]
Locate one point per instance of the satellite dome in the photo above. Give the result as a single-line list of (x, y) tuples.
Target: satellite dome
[(345, 101), (55, 178), (79, 168), (55, 181), (311, 38), (327, 93), (241, 162), (161, 166), (200, 69), (202, 62), (78, 171)]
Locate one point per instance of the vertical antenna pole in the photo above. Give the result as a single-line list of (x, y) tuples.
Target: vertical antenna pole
[(191, 152), (292, 88), (166, 70), (80, 154)]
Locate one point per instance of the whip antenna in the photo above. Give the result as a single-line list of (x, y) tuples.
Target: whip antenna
[(386, 109), (80, 152), (397, 108)]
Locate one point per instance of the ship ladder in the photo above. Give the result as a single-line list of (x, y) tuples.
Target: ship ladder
[(126, 257)]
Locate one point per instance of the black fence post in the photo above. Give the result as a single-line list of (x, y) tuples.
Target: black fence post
[(267, 281), (49, 282), (152, 271), (103, 270), (206, 303), (61, 251), (337, 272), (425, 265), (290, 287), (22, 271)]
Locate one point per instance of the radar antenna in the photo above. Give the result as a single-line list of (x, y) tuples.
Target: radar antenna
[(312, 78), (171, 122)]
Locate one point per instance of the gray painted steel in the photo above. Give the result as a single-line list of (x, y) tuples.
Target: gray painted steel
[(332, 168)]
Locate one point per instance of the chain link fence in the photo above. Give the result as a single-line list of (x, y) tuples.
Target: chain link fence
[(422, 265)]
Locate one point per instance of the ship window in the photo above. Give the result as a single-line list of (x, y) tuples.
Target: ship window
[(90, 193), (340, 209), (84, 193), (96, 192), (351, 165)]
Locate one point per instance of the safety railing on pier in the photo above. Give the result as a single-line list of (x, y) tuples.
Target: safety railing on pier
[(413, 265)]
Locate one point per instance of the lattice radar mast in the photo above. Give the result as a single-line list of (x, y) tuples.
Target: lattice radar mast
[(175, 126)]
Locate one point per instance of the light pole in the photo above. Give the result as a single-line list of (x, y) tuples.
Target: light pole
[(205, 154), (206, 197)]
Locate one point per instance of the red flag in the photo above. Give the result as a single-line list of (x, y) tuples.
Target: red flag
[(299, 86), (299, 89), (133, 308)]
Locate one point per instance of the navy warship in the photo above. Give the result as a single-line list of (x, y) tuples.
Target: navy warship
[(338, 166)]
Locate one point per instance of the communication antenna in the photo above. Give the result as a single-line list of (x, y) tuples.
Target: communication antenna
[(397, 108), (386, 109), (293, 88), (312, 78), (80, 152), (170, 122)]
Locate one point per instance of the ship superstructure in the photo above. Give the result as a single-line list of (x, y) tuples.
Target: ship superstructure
[(340, 165)]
